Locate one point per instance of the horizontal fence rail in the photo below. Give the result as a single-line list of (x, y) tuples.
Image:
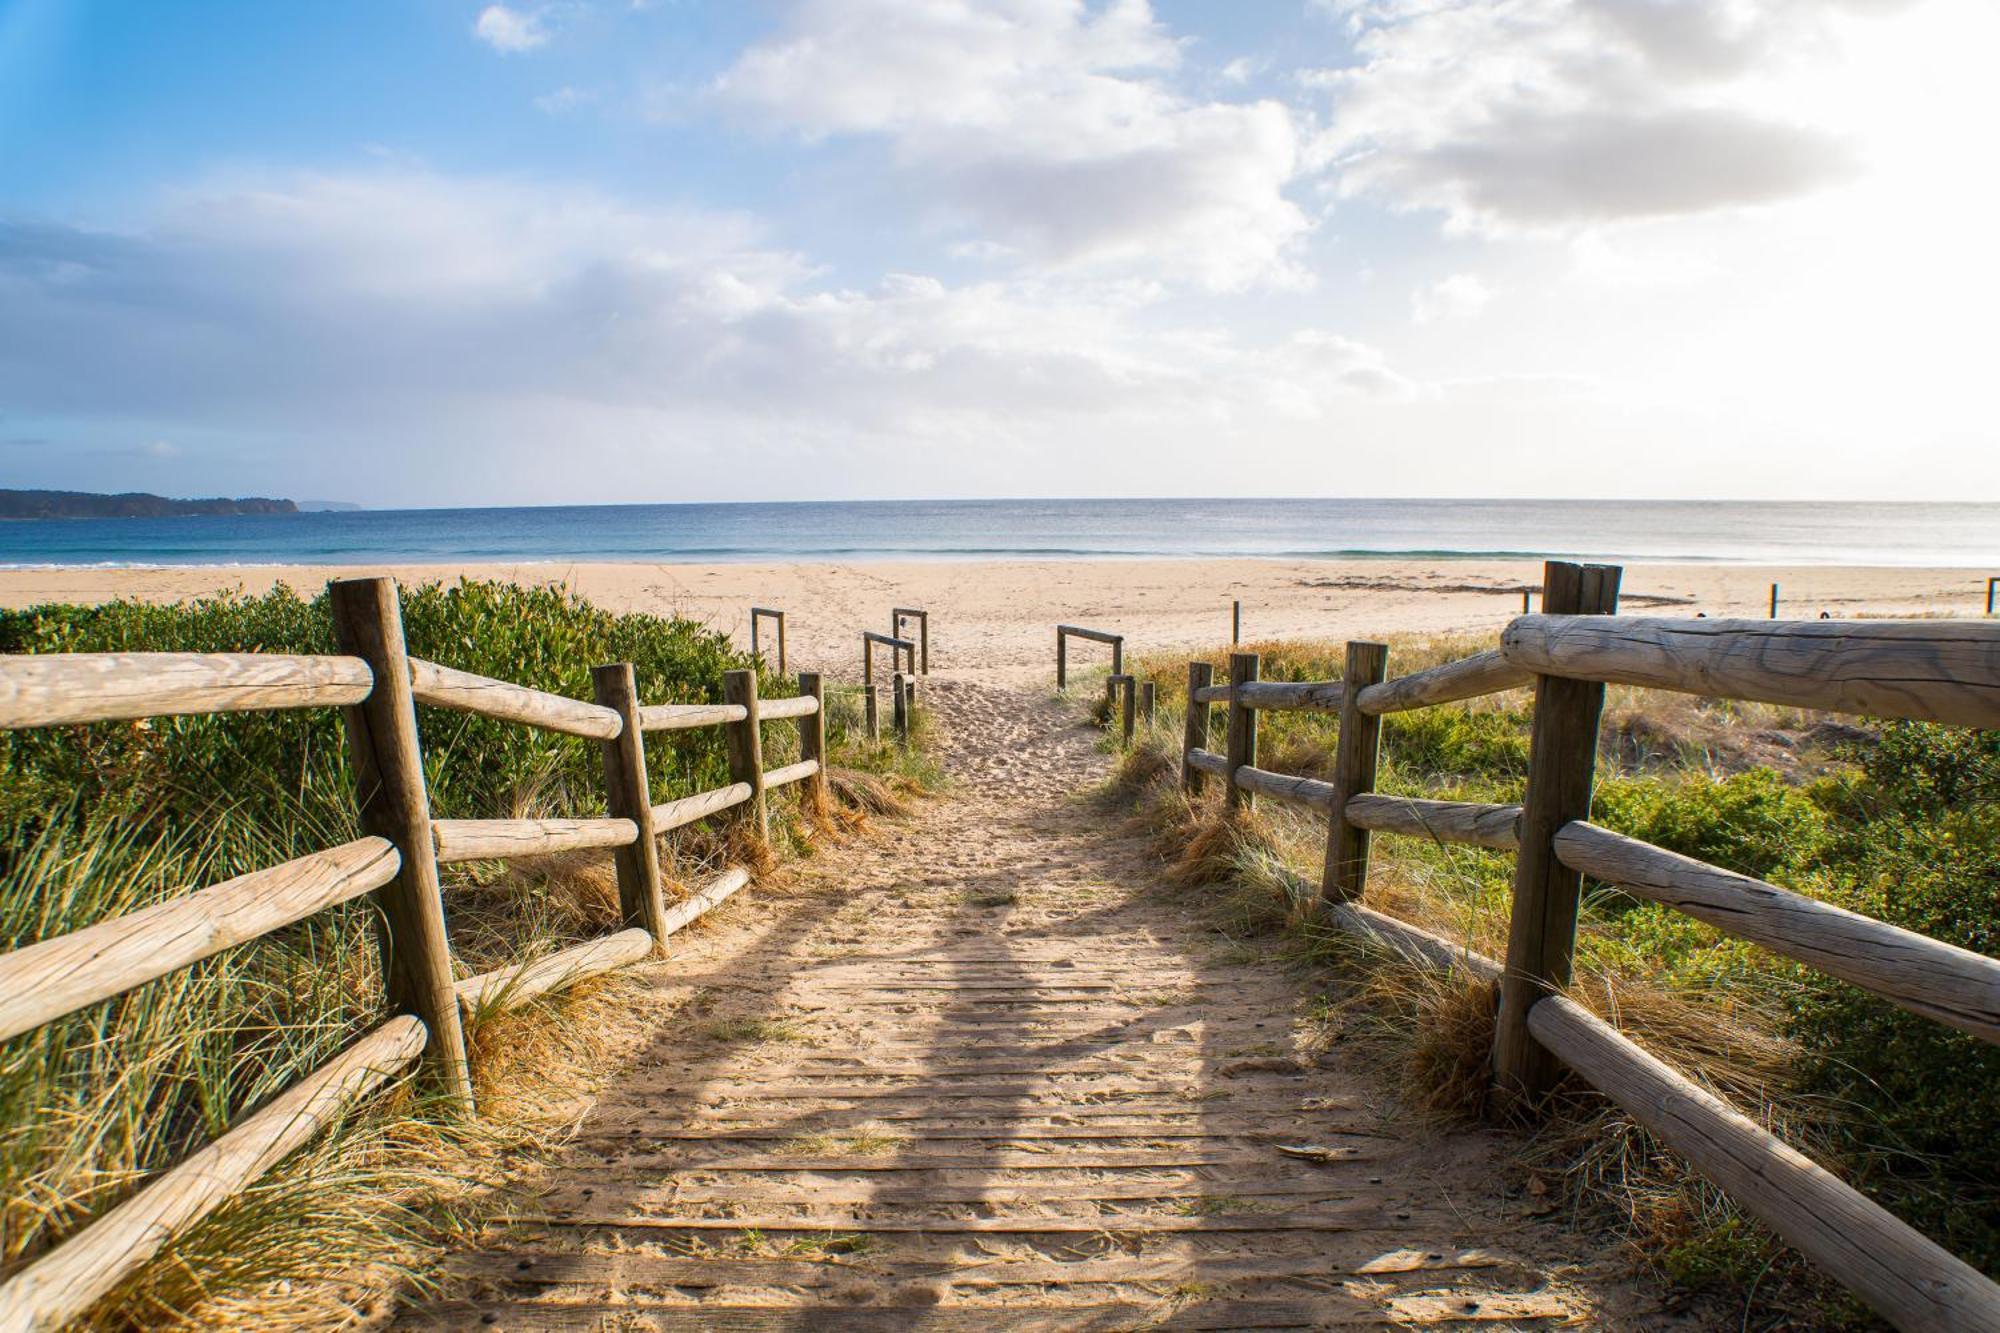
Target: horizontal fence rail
[(1939, 671), (57, 689), (43, 981), (1927, 670), (1064, 633)]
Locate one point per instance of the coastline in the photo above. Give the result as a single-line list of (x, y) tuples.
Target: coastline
[(997, 617)]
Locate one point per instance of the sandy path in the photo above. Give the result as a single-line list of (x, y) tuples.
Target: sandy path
[(984, 1070)]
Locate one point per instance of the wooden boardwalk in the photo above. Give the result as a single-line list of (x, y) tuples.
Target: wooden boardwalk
[(1003, 1079)]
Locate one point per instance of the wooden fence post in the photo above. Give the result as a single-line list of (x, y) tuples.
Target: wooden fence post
[(1991, 584), (1243, 668), (1562, 761), (901, 709), (629, 796), (1235, 622), (1148, 697), (812, 738), (745, 744), (1354, 757), (389, 785), (1194, 733), (1525, 596), (1118, 655), (871, 707), (1126, 687), (1774, 601), (1062, 659), (781, 643)]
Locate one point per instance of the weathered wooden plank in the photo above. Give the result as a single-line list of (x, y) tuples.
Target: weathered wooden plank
[(1926, 976), (790, 773), (465, 692), (56, 1288), (1240, 742), (1470, 822), (628, 796), (1308, 792), (45, 980), (1095, 635), (516, 985), (842, 1194), (1208, 761), (1194, 726), (1174, 1157), (743, 743), (567, 1317), (1932, 670), (499, 839), (680, 717), (1207, 1130), (1489, 672), (687, 809), (57, 689), (1903, 1276), (1323, 1219), (1414, 943), (798, 705), (1293, 696), (705, 899), (1344, 871), (1211, 694)]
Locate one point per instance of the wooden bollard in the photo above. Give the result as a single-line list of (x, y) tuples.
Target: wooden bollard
[(1991, 584), (744, 743), (1562, 762), (1194, 731), (1235, 623), (901, 709), (1147, 698), (1774, 601), (812, 737), (389, 783), (629, 796), (871, 712), (1120, 694), (1525, 595), (1062, 660), (1354, 758), (1242, 745)]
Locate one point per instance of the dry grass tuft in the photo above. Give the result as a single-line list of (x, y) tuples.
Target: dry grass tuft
[(867, 793)]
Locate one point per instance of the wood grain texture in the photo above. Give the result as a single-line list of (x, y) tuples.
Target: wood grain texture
[(798, 705), (1412, 943), (1211, 694), (510, 986), (812, 739), (628, 798), (1095, 635), (464, 692), (61, 1285), (44, 981), (1194, 726), (1932, 670), (1294, 696), (1310, 793), (499, 839), (790, 773), (680, 717), (1241, 741), (57, 689), (1207, 761), (707, 898), (1562, 765), (673, 814), (1344, 874), (388, 768), (1470, 822), (744, 744), (1903, 1276), (1470, 677), (1926, 976)]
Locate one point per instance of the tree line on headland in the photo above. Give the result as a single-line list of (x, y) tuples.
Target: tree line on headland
[(132, 504)]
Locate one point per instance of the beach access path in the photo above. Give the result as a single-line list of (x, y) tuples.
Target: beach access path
[(985, 1069)]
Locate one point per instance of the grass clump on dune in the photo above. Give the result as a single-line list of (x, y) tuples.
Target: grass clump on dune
[(1896, 821), (100, 820)]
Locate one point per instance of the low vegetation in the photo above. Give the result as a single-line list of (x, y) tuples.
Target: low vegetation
[(1896, 821), (99, 820)]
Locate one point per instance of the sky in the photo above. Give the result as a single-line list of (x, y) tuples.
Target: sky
[(435, 252)]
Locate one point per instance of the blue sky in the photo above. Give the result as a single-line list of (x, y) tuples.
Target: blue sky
[(433, 252)]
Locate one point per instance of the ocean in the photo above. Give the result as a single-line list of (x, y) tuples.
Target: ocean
[(1956, 534)]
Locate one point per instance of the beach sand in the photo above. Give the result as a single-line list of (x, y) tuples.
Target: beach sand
[(996, 619)]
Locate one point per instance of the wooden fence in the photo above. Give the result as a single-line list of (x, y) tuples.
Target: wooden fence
[(1933, 670), (1064, 633), (760, 613), (378, 684), (897, 615)]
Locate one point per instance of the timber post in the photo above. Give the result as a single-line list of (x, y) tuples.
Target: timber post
[(1774, 601), (1354, 759), (1148, 698), (871, 707), (389, 786), (1235, 623), (812, 738), (628, 795), (1242, 743), (744, 742), (1194, 730), (901, 708), (1562, 762), (1062, 659)]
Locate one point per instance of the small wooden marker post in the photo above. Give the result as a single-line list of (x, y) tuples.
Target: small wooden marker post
[(1991, 584), (1354, 759), (1774, 601), (744, 742), (1194, 733), (1121, 693), (901, 709), (1062, 659), (897, 615), (1147, 698), (1562, 763), (1243, 668), (1525, 595), (389, 786), (629, 796), (812, 738), (871, 708), (1235, 623), (757, 612)]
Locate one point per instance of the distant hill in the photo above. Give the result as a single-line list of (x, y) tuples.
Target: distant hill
[(133, 504), (328, 507)]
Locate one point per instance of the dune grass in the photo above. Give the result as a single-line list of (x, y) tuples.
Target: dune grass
[(99, 820), (1896, 821)]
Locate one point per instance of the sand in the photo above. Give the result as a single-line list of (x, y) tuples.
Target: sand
[(995, 619)]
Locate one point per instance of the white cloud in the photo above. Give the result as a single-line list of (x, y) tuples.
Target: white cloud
[(564, 100), (512, 31), (1460, 296), (1512, 115), (1041, 126)]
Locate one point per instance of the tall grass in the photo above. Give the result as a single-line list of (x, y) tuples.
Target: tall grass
[(1896, 821), (100, 820)]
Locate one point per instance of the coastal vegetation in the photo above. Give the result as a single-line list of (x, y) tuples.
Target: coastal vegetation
[(1895, 820), (130, 504), (100, 820)]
